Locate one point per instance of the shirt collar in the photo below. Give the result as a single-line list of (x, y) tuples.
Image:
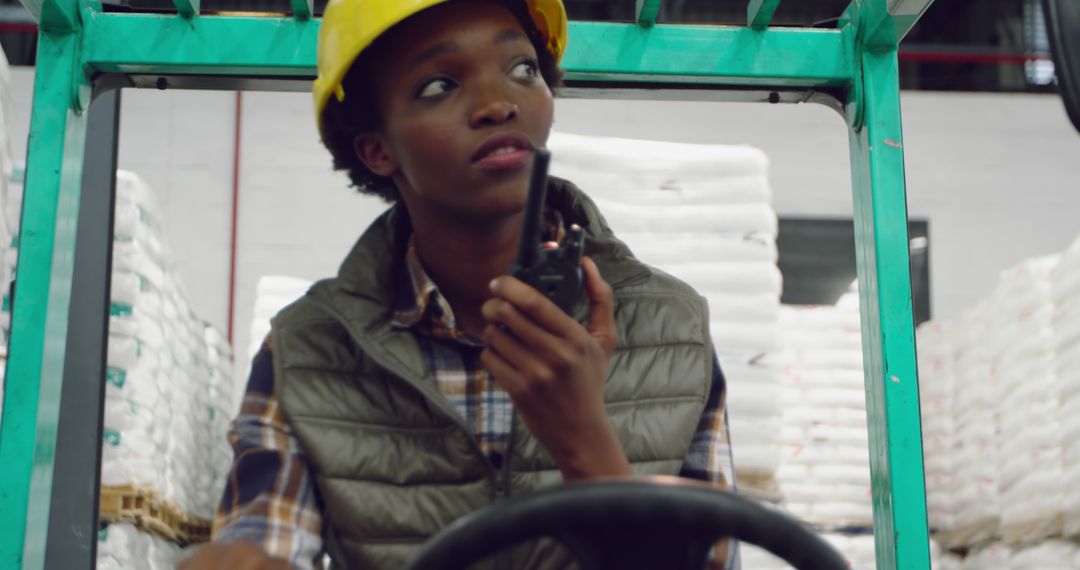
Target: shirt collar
[(419, 293), (420, 301)]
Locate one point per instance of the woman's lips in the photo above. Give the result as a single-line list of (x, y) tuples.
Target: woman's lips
[(505, 159), (509, 150)]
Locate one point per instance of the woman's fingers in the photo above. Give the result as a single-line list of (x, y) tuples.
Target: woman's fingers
[(501, 312), (542, 367), (601, 324), (533, 350), (535, 305), (504, 373)]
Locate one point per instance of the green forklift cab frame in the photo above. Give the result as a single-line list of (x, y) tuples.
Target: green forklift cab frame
[(50, 430)]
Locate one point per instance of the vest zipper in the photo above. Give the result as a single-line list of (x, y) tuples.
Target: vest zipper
[(374, 350), (433, 396), (504, 560), (502, 491)]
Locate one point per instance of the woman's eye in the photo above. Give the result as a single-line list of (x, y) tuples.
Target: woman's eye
[(526, 70), (434, 88)]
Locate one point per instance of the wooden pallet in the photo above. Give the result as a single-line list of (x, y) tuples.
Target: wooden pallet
[(145, 508)]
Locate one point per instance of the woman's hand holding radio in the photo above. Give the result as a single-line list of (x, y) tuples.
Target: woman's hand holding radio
[(554, 370)]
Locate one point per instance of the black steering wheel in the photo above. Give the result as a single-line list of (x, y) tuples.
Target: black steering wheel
[(657, 523)]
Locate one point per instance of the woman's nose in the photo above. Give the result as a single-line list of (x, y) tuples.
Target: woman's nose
[(493, 108)]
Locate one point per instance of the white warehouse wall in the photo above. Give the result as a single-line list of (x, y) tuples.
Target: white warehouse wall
[(996, 175)]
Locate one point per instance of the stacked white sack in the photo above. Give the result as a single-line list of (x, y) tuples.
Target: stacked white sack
[(9, 245), (756, 558), (935, 355), (1028, 404), (11, 205), (941, 559), (272, 294), (994, 556), (825, 474), (1066, 292), (976, 498), (704, 214), (121, 546), (7, 230), (222, 405), (7, 162), (212, 430), (167, 399), (857, 550), (1048, 555), (948, 561), (6, 118)]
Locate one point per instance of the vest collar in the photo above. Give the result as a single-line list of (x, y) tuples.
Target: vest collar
[(372, 270)]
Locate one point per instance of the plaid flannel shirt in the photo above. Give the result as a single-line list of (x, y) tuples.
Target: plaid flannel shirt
[(270, 497)]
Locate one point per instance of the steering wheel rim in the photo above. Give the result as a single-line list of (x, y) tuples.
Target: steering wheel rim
[(643, 515)]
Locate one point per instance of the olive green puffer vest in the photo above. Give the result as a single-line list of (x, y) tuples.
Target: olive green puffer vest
[(394, 462)]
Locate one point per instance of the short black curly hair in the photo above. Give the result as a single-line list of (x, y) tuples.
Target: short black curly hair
[(343, 121)]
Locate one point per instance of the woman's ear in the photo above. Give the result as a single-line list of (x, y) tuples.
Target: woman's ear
[(373, 150)]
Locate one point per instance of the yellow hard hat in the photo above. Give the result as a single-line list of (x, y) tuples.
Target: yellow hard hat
[(350, 26)]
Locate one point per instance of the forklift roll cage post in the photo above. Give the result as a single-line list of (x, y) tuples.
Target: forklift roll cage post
[(50, 430)]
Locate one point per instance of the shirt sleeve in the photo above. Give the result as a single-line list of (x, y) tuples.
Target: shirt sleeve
[(270, 497), (709, 458)]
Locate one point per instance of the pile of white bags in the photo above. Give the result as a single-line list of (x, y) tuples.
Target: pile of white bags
[(825, 473), (1011, 473), (858, 550), (169, 390), (1028, 404), (169, 381), (946, 561), (1066, 318), (10, 206), (121, 546), (11, 194), (935, 355), (702, 213), (6, 156), (222, 405), (995, 556), (272, 294), (1044, 555), (996, 459), (1048, 555), (976, 498)]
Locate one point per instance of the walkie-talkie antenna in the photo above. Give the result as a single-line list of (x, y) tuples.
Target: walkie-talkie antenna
[(530, 230)]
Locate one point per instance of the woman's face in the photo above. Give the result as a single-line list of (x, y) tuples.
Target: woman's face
[(463, 106)]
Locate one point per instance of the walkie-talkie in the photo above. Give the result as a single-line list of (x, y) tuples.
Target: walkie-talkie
[(554, 272)]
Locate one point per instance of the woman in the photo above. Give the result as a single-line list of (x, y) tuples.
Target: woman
[(422, 383)]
